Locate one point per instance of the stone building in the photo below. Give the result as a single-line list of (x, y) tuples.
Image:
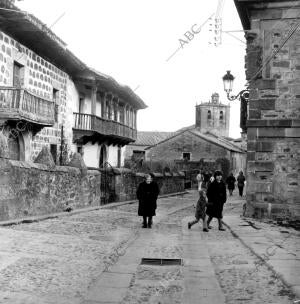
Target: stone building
[(195, 146), (137, 150), (213, 116), (273, 122), (48, 97), (191, 149)]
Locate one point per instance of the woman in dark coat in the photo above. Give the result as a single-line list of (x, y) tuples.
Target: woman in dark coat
[(147, 194), (230, 181), (216, 195), (241, 183)]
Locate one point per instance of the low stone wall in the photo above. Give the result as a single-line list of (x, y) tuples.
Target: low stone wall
[(126, 182), (28, 189)]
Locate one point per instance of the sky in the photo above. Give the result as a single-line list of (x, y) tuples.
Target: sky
[(142, 44)]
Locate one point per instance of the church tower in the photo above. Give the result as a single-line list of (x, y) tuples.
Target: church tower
[(213, 117)]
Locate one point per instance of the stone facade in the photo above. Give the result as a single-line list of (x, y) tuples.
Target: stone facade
[(185, 142), (273, 125), (41, 78), (191, 146)]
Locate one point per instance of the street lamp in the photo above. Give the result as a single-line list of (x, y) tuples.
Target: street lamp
[(243, 96), (228, 79)]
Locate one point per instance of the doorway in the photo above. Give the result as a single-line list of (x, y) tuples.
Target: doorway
[(103, 156)]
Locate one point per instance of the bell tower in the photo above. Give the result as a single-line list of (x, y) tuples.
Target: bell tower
[(213, 116)]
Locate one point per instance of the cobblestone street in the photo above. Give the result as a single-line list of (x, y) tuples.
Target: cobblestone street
[(95, 257)]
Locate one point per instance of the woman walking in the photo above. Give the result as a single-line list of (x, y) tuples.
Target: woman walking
[(230, 181), (241, 183), (216, 194), (147, 194)]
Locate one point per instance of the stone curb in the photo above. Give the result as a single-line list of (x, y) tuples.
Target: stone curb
[(270, 267), (34, 219)]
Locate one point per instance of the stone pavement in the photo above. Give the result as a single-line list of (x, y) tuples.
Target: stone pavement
[(113, 284), (200, 284), (276, 247), (78, 259)]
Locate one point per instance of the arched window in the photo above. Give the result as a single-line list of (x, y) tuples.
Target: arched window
[(221, 115), (208, 114)]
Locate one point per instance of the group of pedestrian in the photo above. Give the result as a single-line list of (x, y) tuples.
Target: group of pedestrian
[(212, 197), (231, 180)]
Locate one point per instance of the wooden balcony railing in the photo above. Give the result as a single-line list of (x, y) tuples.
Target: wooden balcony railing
[(18, 103), (103, 126)]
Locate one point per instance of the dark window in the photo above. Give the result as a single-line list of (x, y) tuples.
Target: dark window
[(80, 150), (81, 105), (137, 155), (103, 156), (56, 113), (186, 155), (208, 114), (221, 115), (14, 146), (119, 157), (53, 151), (18, 76), (55, 100)]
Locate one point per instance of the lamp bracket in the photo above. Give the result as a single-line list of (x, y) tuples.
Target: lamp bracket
[(242, 94)]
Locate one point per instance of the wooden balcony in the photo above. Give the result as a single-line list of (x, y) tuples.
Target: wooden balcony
[(93, 127), (19, 104)]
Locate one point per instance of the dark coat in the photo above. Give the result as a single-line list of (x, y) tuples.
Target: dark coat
[(147, 196), (216, 194), (230, 181), (241, 180)]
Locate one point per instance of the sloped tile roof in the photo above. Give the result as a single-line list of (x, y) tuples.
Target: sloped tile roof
[(219, 141), (34, 34), (150, 138)]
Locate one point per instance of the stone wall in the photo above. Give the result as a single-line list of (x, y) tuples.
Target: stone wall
[(124, 183), (28, 189), (273, 125)]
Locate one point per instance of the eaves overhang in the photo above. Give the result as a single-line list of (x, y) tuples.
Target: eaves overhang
[(109, 84), (35, 35), (246, 7)]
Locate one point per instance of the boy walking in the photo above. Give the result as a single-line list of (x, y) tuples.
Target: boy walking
[(200, 211)]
